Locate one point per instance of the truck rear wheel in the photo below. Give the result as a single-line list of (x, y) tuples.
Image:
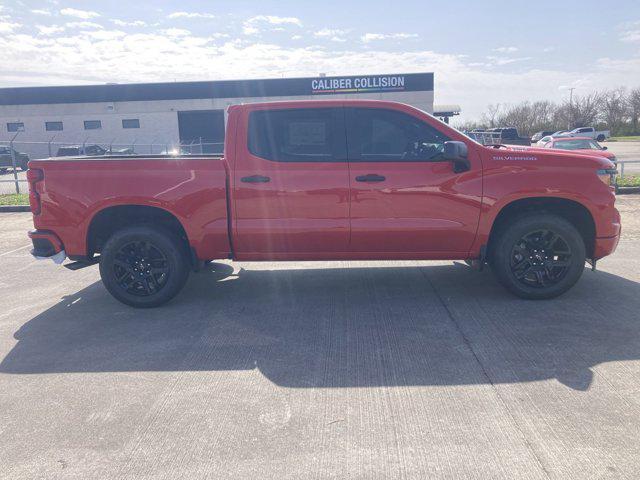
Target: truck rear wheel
[(144, 266), (538, 256)]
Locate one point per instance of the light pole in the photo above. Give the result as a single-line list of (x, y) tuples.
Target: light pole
[(570, 121)]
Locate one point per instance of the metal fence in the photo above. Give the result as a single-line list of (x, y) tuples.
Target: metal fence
[(485, 138), (15, 153)]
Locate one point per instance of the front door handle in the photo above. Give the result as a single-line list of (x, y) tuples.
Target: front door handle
[(370, 177), (255, 179)]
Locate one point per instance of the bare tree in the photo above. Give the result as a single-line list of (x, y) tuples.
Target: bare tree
[(614, 108), (633, 105), (489, 117), (580, 111)]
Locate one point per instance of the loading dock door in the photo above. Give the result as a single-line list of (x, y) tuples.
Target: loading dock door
[(202, 131)]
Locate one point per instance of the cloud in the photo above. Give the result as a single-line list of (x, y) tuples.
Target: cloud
[(190, 15), (83, 14), (49, 29), (156, 55), (506, 49), (133, 23), (506, 60), (176, 32), (81, 25), (38, 11), (370, 37), (630, 32), (251, 26), (8, 27), (335, 35), (328, 32)]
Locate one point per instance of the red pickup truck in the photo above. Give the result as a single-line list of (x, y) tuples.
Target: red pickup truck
[(327, 180)]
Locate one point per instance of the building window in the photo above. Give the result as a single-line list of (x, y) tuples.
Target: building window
[(92, 124), (15, 127), (53, 126), (131, 123)]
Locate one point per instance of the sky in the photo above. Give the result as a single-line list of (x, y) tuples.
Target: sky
[(481, 52)]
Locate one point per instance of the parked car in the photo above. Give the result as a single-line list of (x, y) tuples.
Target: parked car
[(548, 138), (543, 141), (510, 136), (538, 135), (91, 151), (6, 161), (582, 145), (328, 180), (599, 135)]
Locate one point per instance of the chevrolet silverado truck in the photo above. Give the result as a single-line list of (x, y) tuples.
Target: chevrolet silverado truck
[(327, 180)]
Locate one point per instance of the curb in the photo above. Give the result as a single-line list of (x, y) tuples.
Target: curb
[(14, 208), (624, 190)]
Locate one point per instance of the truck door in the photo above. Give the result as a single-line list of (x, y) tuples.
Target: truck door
[(291, 183), (406, 201)]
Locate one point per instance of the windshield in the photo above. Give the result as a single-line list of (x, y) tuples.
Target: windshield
[(579, 144)]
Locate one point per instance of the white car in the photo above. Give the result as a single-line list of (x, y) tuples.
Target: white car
[(598, 135)]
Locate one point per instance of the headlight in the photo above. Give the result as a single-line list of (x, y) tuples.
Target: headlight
[(608, 177)]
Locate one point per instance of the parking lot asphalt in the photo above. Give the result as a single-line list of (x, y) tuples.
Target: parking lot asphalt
[(320, 370)]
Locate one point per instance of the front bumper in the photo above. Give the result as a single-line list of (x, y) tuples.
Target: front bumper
[(46, 245)]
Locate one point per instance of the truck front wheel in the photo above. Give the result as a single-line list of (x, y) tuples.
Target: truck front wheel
[(144, 266), (538, 256)]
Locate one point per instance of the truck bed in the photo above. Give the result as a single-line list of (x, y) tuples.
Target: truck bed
[(193, 188)]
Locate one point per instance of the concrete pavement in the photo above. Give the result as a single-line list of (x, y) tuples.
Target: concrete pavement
[(320, 370)]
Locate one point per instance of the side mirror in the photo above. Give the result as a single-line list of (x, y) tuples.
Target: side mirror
[(603, 148), (456, 153)]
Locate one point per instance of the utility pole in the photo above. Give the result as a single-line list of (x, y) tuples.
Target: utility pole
[(570, 121)]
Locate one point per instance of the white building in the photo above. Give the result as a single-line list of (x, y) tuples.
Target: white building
[(155, 116)]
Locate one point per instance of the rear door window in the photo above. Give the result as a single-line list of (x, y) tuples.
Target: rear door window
[(298, 135), (382, 135)]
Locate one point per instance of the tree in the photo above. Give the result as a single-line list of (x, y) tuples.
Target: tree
[(489, 117), (580, 111), (633, 105), (614, 109)]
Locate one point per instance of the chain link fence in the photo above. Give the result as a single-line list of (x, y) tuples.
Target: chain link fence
[(16, 153)]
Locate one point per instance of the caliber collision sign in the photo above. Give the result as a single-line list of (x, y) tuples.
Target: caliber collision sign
[(378, 83)]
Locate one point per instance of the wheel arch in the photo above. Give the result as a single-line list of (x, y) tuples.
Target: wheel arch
[(110, 219), (574, 212)]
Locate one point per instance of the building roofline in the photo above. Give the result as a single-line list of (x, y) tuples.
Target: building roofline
[(269, 87)]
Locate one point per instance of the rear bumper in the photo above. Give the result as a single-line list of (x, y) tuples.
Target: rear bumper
[(605, 246), (46, 245)]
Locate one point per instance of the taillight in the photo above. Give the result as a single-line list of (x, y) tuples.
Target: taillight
[(34, 175)]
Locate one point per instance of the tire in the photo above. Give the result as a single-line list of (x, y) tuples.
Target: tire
[(144, 266), (530, 263), (600, 138)]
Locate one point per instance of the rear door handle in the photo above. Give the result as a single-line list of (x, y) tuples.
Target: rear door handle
[(255, 179), (370, 177)]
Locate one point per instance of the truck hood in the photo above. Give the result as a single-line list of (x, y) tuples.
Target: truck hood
[(601, 158)]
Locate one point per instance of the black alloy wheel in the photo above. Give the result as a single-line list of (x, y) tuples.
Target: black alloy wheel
[(141, 268), (144, 266), (538, 255), (540, 258)]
